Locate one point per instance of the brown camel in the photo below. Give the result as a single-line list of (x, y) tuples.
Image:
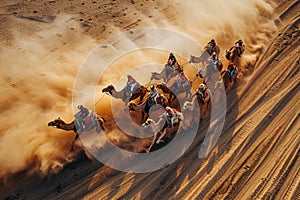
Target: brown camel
[(167, 73), (203, 58), (189, 107), (156, 128), (228, 82), (232, 56), (60, 124), (144, 107), (140, 91)]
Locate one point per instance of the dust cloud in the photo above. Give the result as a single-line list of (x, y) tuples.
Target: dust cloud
[(38, 73), (226, 22)]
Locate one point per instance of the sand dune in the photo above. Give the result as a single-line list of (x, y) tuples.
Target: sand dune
[(43, 44)]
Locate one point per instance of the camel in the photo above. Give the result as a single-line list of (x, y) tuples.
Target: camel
[(191, 113), (178, 89), (219, 65), (144, 107), (189, 107), (167, 73), (232, 56), (140, 91), (159, 76), (210, 68), (155, 127), (209, 50), (60, 124), (226, 79), (209, 72), (203, 58)]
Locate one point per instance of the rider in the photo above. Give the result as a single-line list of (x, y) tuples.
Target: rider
[(182, 80), (131, 83), (154, 94), (171, 61), (239, 45), (203, 92), (171, 65), (170, 115), (214, 60), (212, 45), (82, 115), (231, 71)]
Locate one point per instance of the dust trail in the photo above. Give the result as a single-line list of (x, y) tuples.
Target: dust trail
[(202, 20), (225, 21), (39, 70), (37, 75)]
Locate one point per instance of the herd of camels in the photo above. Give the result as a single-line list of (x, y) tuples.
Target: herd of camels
[(188, 113)]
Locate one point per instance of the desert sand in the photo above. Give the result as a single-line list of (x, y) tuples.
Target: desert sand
[(44, 44)]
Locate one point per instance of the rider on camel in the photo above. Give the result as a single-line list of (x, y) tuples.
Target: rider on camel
[(170, 115), (153, 95), (203, 92), (212, 45), (213, 59), (82, 115), (171, 61), (171, 65), (131, 84), (231, 71), (240, 47)]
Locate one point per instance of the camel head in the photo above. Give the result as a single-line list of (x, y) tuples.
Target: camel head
[(147, 123), (153, 75), (55, 122), (108, 89), (192, 58), (187, 105)]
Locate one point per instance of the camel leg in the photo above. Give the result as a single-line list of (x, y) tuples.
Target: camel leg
[(208, 104), (172, 98), (164, 131), (126, 108), (161, 136), (76, 137), (235, 78), (152, 143), (206, 107), (144, 116), (188, 94)]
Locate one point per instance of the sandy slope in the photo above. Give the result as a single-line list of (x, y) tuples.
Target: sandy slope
[(257, 156)]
